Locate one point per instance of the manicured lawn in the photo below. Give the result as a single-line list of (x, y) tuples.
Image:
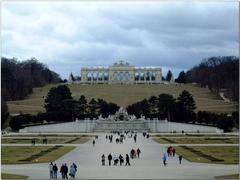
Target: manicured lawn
[(51, 139), (12, 176), (197, 140), (194, 135), (215, 155), (124, 95), (32, 154), (231, 176)]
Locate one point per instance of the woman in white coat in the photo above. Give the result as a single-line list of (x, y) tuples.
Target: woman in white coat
[(73, 171)]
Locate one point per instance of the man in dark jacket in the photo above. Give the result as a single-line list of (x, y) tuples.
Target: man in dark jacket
[(138, 152), (109, 159), (55, 169), (127, 160)]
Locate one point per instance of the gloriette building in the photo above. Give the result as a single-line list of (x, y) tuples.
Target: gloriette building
[(120, 73)]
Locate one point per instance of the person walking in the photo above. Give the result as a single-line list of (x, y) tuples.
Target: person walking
[(93, 142), (62, 171), (173, 152), (115, 159), (51, 170), (132, 153), (109, 159), (168, 151), (66, 171), (121, 159), (73, 171), (103, 160), (55, 169), (180, 159), (135, 138), (138, 152), (164, 159), (127, 160)]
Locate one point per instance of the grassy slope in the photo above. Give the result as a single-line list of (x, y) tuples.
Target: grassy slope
[(12, 176), (124, 95)]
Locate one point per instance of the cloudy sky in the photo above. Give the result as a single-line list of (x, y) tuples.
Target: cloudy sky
[(69, 35)]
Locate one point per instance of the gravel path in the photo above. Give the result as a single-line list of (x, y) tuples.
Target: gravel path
[(148, 166)]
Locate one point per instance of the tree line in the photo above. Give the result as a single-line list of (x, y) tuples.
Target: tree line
[(61, 107), (182, 109), (19, 77), (216, 73)]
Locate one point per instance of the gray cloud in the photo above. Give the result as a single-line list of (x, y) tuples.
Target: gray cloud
[(67, 36)]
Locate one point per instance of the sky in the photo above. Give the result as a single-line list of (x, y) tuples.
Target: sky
[(69, 35)]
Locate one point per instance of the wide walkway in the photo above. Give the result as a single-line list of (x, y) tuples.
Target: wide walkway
[(148, 166)]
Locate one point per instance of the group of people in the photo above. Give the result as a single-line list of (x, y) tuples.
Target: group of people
[(45, 141), (53, 170), (115, 159), (119, 140), (110, 138), (135, 153), (145, 134), (171, 153)]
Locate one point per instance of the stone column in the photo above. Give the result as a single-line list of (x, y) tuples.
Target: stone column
[(84, 74), (91, 77), (103, 76), (158, 73), (97, 72)]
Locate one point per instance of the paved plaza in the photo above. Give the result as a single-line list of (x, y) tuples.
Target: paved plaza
[(148, 166)]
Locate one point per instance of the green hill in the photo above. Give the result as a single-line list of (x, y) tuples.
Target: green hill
[(124, 95)]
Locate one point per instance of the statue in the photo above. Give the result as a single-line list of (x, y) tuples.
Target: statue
[(120, 115), (100, 117)]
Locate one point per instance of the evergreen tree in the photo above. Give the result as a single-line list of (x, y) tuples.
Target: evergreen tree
[(106, 109), (186, 101), (169, 76), (93, 105), (55, 97), (145, 108), (186, 107), (82, 107), (166, 105), (153, 102), (69, 107), (181, 77)]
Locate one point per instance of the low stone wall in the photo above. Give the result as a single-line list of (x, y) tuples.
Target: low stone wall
[(102, 126), (168, 127), (78, 126)]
